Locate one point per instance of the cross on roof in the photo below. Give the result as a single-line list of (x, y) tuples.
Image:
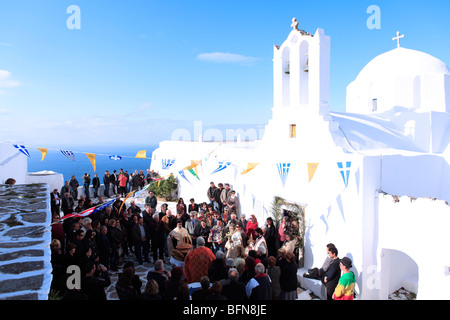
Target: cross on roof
[(398, 37)]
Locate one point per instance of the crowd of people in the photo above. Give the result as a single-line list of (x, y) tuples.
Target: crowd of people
[(208, 243), (116, 183)]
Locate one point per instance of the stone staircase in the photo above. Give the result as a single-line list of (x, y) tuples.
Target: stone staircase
[(25, 235)]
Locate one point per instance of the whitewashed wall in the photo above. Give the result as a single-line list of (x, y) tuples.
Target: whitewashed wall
[(13, 164), (414, 239)]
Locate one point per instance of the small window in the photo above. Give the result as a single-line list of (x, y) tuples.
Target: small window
[(292, 131), (374, 105)]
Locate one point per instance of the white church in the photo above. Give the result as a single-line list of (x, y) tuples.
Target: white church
[(374, 180)]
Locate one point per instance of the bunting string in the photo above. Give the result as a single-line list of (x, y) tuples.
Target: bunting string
[(142, 154)]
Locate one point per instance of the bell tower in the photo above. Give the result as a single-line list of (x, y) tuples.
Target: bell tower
[(301, 70)]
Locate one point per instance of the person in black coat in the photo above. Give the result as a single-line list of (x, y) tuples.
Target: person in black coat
[(67, 204), (151, 226), (234, 290), (151, 201), (157, 238), (218, 271), (333, 274), (104, 247), (106, 183), (65, 188), (95, 282), (114, 182), (135, 181), (171, 286), (216, 292), (260, 286), (90, 241), (116, 242), (140, 237), (248, 273), (288, 278), (127, 222), (203, 292), (160, 276), (73, 183), (204, 231), (69, 258), (193, 206), (148, 218), (95, 185), (270, 234), (124, 286), (55, 202)]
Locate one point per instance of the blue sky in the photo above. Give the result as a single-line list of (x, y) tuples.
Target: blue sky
[(138, 70)]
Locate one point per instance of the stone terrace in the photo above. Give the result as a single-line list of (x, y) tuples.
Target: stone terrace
[(25, 235)]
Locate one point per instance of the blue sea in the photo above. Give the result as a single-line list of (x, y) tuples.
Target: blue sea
[(56, 161)]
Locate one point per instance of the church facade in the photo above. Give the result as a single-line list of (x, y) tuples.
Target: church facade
[(374, 180)]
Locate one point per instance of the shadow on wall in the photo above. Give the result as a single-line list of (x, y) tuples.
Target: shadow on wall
[(308, 254), (393, 277)]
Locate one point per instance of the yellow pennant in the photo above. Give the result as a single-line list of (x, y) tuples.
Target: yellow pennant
[(44, 153), (193, 165), (91, 157), (250, 167), (142, 154), (312, 167)]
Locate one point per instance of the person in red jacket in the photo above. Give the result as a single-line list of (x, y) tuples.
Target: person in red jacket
[(252, 224), (198, 261), (122, 184)]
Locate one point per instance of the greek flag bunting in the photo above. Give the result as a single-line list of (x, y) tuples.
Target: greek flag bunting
[(115, 157), (167, 163), (22, 149), (283, 171), (181, 172), (68, 154), (345, 172), (89, 211), (222, 165)]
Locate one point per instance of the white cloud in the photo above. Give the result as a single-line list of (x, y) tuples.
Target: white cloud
[(146, 106), (5, 44), (6, 81), (225, 57), (80, 130)]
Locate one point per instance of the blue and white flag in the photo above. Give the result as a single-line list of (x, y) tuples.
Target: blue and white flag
[(68, 154), (222, 165), (345, 172), (104, 205), (283, 171), (115, 157), (167, 163), (87, 212), (22, 149), (181, 172)]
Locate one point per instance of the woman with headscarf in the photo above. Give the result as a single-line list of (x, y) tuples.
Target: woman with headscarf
[(232, 202)]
